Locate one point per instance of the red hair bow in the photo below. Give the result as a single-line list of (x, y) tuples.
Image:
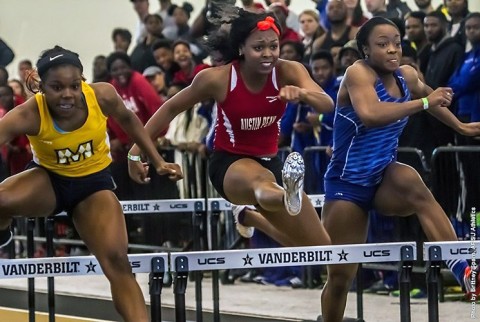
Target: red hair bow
[(266, 24)]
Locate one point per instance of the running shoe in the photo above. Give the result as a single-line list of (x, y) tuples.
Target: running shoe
[(5, 237), (467, 283), (415, 293), (292, 175), (244, 231)]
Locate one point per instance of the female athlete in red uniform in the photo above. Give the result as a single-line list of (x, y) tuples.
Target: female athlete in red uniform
[(251, 94)]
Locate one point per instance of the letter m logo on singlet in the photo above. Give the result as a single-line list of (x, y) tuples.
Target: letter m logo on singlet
[(67, 156)]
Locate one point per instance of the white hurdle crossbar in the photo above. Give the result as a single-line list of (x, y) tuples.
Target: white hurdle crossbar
[(434, 253), (156, 264), (69, 266), (288, 256), (183, 262)]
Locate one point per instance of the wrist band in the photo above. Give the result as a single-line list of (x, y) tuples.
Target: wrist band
[(425, 103), (135, 158)]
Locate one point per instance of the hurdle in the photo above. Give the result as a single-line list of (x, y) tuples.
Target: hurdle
[(184, 262), (193, 206), (434, 253), (181, 269), (217, 205), (155, 264)]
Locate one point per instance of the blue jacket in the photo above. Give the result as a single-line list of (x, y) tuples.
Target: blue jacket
[(297, 112), (465, 84)]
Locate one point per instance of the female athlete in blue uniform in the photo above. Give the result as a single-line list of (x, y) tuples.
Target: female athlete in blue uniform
[(374, 101)]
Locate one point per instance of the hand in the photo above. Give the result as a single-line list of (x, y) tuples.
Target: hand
[(312, 117), (291, 93), (138, 171), (329, 151), (173, 171), (470, 129), (442, 96)]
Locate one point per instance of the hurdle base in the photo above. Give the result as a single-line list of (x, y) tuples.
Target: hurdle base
[(346, 319)]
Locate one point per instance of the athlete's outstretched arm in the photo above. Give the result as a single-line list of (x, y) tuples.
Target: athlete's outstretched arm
[(359, 81), (202, 88), (112, 105), (299, 86), (439, 109), (199, 90)]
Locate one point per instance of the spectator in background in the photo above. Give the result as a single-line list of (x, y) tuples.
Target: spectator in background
[(181, 16), (409, 57), (465, 85), (6, 54), (340, 32), (252, 6), (347, 55), (142, 55), (183, 57), (323, 72), (140, 98), (141, 8), (292, 18), (24, 69), (156, 77), (186, 132), (163, 55), (444, 56), (122, 38), (394, 9), (415, 33), (100, 70), (397, 9), (355, 15), (311, 30), (168, 20), (281, 12), (424, 6), (466, 79), (19, 91), (377, 8), (292, 50), (18, 153), (458, 10)]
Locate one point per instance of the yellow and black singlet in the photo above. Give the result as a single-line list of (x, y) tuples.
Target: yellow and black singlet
[(78, 153)]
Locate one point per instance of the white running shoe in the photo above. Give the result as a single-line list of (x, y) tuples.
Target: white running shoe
[(292, 175), (244, 231)]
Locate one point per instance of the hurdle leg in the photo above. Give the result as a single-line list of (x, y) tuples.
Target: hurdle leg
[(180, 287), (155, 290), (198, 219), (215, 280), (31, 281), (359, 283), (433, 271), (49, 227), (404, 280)]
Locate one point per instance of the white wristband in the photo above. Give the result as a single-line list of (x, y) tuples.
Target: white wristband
[(135, 158), (425, 103)]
